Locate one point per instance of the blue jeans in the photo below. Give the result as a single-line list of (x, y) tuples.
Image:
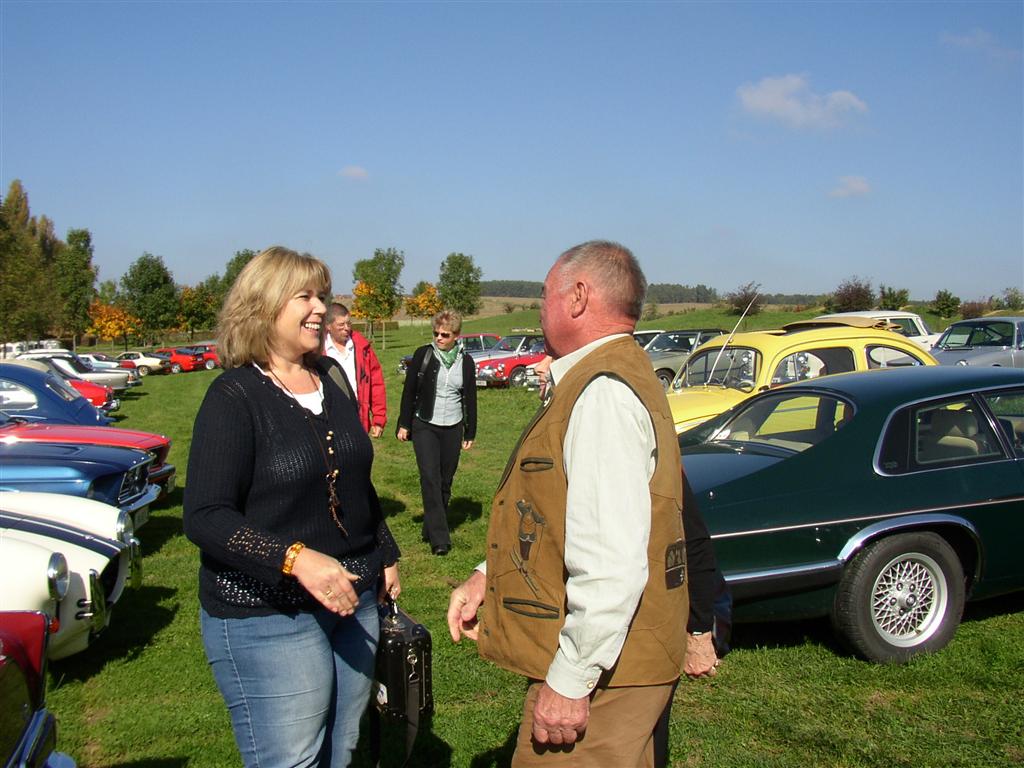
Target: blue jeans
[(295, 686)]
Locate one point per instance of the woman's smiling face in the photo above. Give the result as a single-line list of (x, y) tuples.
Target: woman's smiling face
[(298, 327)]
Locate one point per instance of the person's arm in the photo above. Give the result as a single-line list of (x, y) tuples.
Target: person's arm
[(701, 566), (378, 393), (469, 397), (408, 406), (609, 458)]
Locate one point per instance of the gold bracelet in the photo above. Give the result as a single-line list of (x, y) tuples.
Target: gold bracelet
[(289, 557)]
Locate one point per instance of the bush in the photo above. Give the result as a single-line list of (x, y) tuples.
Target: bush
[(945, 304), (651, 311), (971, 309), (852, 295), (892, 298), (745, 299)]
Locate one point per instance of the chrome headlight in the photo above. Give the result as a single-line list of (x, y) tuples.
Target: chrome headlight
[(57, 576), (961, 362), (125, 527)]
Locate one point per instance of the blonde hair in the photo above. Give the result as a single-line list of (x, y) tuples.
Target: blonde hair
[(450, 319), (245, 326)]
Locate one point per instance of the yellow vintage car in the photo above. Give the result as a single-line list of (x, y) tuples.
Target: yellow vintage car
[(729, 369)]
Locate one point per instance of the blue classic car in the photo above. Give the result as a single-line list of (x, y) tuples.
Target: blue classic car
[(32, 395), (113, 475), (883, 499)]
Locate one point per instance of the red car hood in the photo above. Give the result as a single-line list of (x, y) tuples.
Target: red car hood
[(68, 433)]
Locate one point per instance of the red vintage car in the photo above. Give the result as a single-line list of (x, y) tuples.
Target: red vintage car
[(160, 472), (505, 364), (182, 358), (29, 732), (99, 395), (208, 350)]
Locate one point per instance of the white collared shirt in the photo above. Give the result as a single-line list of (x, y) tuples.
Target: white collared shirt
[(346, 356)]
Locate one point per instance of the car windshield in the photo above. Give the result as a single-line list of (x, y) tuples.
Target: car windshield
[(672, 341), (735, 367), (508, 344), (982, 333), (790, 421)]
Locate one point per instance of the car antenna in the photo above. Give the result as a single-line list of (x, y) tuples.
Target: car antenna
[(728, 340)]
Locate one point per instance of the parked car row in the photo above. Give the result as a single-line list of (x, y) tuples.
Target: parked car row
[(73, 493)]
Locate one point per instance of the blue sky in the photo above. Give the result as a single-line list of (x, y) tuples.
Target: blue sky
[(788, 144)]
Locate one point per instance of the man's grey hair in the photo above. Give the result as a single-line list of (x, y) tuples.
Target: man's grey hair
[(613, 268), (335, 309)]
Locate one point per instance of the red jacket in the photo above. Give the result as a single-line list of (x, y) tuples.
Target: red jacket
[(369, 384)]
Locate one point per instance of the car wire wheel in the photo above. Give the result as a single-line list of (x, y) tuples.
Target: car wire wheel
[(518, 377), (909, 599), (900, 596)]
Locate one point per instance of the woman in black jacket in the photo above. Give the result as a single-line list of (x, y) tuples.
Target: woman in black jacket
[(439, 414)]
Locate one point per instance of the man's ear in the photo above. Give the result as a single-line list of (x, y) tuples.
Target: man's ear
[(580, 296)]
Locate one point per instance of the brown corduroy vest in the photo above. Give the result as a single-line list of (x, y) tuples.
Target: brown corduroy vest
[(525, 605)]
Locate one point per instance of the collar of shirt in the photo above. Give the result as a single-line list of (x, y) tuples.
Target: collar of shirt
[(562, 365), (344, 351)]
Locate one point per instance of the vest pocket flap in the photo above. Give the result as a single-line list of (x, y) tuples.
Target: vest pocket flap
[(531, 608), (536, 463)]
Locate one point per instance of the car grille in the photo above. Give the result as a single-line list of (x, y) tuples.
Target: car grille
[(134, 482)]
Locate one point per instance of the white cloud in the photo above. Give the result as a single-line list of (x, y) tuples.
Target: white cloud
[(981, 40), (354, 172), (851, 186), (790, 100)]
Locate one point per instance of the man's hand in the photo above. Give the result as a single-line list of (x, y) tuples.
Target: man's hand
[(557, 719), (463, 606), (701, 660), (402, 434), (376, 431)]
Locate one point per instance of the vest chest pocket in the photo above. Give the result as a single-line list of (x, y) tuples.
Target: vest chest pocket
[(536, 463)]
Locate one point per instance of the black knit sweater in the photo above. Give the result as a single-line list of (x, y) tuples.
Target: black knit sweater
[(256, 484)]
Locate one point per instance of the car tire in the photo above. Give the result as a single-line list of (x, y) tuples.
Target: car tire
[(665, 376), (175, 367), (143, 370), (210, 365), (901, 596), (518, 377)]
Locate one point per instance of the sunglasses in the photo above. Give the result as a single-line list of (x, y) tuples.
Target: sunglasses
[(442, 334)]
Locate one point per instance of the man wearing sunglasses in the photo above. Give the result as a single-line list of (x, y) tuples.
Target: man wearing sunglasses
[(584, 581)]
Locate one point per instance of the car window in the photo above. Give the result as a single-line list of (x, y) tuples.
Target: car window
[(672, 341), (1008, 408), (794, 422), (936, 435), (881, 356), (734, 367), (15, 397), (811, 363), (488, 341), (904, 325)]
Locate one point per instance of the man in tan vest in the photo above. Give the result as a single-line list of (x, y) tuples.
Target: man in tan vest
[(584, 589)]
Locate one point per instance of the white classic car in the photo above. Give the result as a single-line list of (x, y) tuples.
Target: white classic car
[(146, 363), (908, 324), (68, 557)]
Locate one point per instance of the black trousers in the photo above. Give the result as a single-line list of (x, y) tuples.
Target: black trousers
[(437, 456)]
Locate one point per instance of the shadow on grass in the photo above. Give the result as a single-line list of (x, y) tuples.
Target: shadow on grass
[(137, 618), (995, 606), (497, 757), (785, 634), (161, 527), (391, 507), (155, 762), (462, 510), (428, 749)]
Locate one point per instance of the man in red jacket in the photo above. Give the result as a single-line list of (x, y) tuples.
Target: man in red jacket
[(353, 352)]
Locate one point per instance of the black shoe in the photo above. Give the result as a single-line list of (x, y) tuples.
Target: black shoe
[(440, 551)]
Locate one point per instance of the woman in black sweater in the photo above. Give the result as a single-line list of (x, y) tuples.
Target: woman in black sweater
[(294, 550), (438, 414)]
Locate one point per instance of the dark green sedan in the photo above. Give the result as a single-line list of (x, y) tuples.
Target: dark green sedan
[(882, 499)]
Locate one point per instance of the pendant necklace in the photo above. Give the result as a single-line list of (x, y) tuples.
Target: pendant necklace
[(333, 503)]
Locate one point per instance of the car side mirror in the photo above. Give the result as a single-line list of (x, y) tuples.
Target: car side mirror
[(746, 386)]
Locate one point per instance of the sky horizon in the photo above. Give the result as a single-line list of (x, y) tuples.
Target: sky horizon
[(794, 145)]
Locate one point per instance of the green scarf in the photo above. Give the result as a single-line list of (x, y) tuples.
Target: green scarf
[(448, 358)]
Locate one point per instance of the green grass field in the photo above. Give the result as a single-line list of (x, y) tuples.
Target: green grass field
[(787, 696)]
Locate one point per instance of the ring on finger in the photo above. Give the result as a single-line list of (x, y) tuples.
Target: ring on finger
[(328, 592)]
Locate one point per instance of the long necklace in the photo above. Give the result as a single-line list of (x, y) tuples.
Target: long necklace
[(333, 503)]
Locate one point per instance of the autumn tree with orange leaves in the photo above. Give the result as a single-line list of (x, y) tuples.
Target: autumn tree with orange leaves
[(424, 302), (111, 322)]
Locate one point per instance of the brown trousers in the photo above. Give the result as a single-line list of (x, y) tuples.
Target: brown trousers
[(619, 732)]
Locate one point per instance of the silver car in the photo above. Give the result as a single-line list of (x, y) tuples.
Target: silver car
[(983, 341)]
